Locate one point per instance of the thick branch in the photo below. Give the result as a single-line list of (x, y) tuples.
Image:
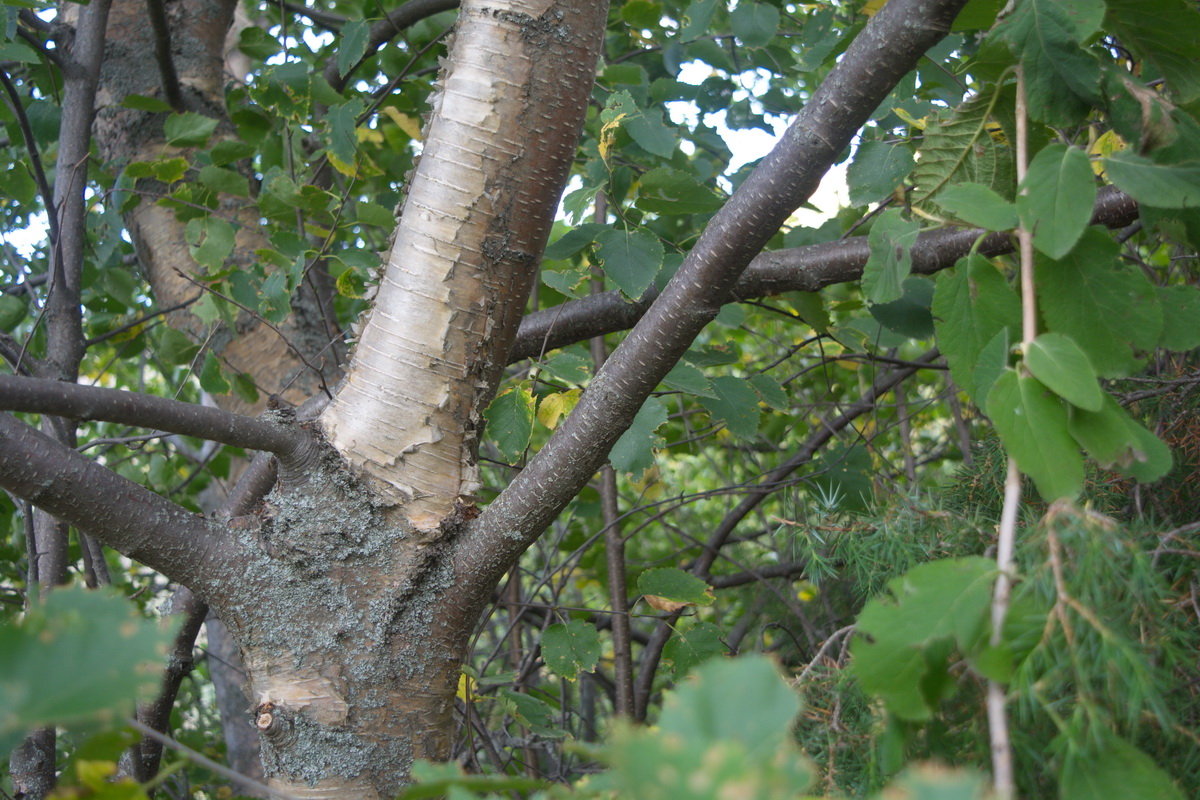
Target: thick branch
[(121, 514), (880, 56), (799, 269), (36, 396)]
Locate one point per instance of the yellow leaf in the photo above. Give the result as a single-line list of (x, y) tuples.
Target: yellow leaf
[(663, 604), (556, 406), (406, 122), (607, 134), (349, 170), (873, 6), (466, 688), (919, 124), (1105, 145), (371, 135)]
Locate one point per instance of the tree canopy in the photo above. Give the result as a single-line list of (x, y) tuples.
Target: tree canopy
[(439, 384)]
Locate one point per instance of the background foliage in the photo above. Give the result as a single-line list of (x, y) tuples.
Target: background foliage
[(770, 499)]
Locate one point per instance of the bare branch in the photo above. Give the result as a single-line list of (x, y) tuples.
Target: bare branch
[(798, 269), (162, 53), (121, 514), (387, 29), (37, 396)]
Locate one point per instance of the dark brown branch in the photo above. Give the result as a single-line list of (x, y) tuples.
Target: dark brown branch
[(761, 574), (123, 515), (35, 158), (162, 55), (888, 47), (803, 269), (36, 396)]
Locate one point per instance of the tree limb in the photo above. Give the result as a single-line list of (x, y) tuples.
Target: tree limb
[(123, 515), (797, 269), (78, 402), (888, 47), (385, 30)]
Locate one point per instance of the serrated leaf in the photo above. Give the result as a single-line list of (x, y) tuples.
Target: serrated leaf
[(675, 585), (890, 261), (1107, 308), (957, 148), (353, 45), (689, 648), (671, 191), (770, 391), (556, 406), (229, 151), (1058, 362), (571, 648), (684, 377), (174, 347), (735, 404), (877, 169), (210, 241), (510, 422), (188, 129), (568, 366), (1032, 424), (573, 241), (211, 379), (931, 605), (976, 204), (532, 712), (630, 259), (258, 43), (1056, 204), (1161, 185), (634, 451)]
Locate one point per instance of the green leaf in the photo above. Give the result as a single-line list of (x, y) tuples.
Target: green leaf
[(645, 126), (735, 404), (1056, 204), (1032, 424), (642, 14), (1116, 769), (934, 603), (510, 422), (569, 367), (684, 377), (1115, 439), (229, 151), (211, 379), (353, 45), (188, 129), (12, 311), (1161, 185), (225, 180), (571, 648), (573, 241), (41, 681), (976, 204), (957, 148), (697, 18), (139, 102), (174, 347), (691, 647), (533, 713), (1058, 362), (675, 585), (935, 782), (1107, 308), (910, 315), (1181, 308), (877, 169), (890, 262), (1062, 79), (258, 43), (992, 361), (342, 122), (634, 451), (755, 23), (770, 391), (1167, 34), (630, 259), (671, 191), (210, 241)]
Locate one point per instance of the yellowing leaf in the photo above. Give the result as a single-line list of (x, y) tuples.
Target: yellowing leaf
[(873, 6), (556, 406), (466, 688), (663, 604), (1105, 145), (407, 123)]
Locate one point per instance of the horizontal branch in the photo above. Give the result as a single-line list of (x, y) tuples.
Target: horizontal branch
[(40, 396), (797, 269), (127, 517)]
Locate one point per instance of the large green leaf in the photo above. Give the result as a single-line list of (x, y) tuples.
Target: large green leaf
[(1162, 185), (977, 204), (933, 604), (1115, 439), (1056, 204), (736, 404), (877, 169), (353, 44), (78, 658), (630, 259), (676, 586), (957, 148), (510, 422), (634, 451), (890, 260), (1181, 310), (690, 647), (671, 191), (1108, 309), (571, 648), (1032, 424), (1058, 362), (971, 304), (755, 23), (1117, 769)]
